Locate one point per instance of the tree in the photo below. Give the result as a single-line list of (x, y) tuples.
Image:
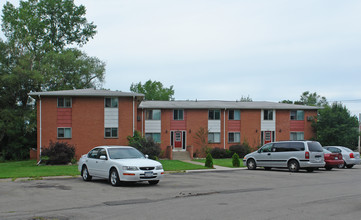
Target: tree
[(246, 99), (312, 99), (153, 90), (336, 127), (37, 56)]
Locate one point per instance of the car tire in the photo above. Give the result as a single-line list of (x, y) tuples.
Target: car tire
[(85, 174), (341, 166), (251, 164), (114, 177), (293, 166), (153, 182), (349, 166), (328, 168), (310, 170)]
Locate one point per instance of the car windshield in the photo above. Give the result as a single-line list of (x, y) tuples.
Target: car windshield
[(124, 153)]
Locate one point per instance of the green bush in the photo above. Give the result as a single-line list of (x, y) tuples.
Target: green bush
[(145, 145), (58, 153), (219, 153), (209, 161), (235, 160), (241, 150)]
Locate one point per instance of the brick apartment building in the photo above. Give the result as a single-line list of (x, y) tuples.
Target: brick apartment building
[(87, 118)]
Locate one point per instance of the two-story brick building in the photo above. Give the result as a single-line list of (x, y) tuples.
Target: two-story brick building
[(88, 117)]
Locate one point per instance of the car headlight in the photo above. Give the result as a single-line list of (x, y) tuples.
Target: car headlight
[(160, 167), (130, 168)]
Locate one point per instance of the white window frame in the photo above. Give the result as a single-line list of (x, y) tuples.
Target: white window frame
[(113, 102), (64, 102), (111, 133), (295, 115), (64, 128), (151, 135), (212, 137), (269, 115), (234, 137), (178, 118), (300, 136), (152, 114), (214, 114), (234, 113)]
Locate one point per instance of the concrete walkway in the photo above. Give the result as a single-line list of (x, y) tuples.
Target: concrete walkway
[(216, 167)]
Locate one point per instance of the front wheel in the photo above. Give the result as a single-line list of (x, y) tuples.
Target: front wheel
[(85, 174), (349, 166), (293, 166), (341, 165), (114, 177), (153, 182), (328, 168), (251, 164), (310, 170)]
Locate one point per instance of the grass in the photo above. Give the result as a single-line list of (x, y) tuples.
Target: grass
[(221, 162), (29, 169), (176, 165)]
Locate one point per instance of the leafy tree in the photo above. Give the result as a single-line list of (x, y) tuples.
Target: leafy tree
[(335, 126), (37, 56), (312, 99), (209, 161), (246, 99), (153, 90), (145, 145), (201, 139), (235, 160)]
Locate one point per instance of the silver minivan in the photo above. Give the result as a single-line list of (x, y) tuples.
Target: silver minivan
[(293, 155)]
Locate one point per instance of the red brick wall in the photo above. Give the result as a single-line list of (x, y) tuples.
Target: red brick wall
[(251, 127), (282, 125), (87, 123)]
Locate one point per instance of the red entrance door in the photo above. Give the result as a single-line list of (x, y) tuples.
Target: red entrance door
[(267, 137), (178, 139)]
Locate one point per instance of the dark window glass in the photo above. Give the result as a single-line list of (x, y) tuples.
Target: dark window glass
[(268, 115), (315, 146), (214, 114)]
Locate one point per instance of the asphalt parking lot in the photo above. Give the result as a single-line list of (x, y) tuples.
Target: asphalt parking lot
[(239, 194)]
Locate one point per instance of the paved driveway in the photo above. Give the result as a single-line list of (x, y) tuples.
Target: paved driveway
[(240, 194)]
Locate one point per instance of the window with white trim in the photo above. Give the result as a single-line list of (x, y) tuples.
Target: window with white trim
[(297, 136), (111, 132), (268, 115), (298, 115), (152, 114), (234, 137), (64, 132), (154, 136), (178, 114), (214, 114), (234, 115), (64, 102), (111, 102), (214, 137)]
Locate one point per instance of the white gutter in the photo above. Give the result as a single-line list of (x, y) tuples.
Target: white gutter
[(142, 121), (224, 129), (40, 130), (133, 115)]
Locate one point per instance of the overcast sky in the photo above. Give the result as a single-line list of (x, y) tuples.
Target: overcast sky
[(269, 50)]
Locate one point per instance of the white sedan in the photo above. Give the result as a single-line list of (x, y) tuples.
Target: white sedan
[(118, 164)]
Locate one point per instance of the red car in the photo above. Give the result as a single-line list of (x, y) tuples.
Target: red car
[(332, 159)]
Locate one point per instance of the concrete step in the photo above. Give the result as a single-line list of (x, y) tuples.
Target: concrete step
[(181, 155)]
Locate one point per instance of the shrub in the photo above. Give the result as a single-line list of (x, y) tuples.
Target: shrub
[(235, 160), (209, 161), (145, 145), (219, 153), (241, 150), (59, 153)]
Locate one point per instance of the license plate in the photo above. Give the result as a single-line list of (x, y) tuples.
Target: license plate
[(148, 174)]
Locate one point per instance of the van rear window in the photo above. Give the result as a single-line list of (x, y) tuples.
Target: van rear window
[(315, 147)]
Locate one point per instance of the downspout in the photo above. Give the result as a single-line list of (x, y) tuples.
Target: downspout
[(133, 115), (142, 122), (224, 129), (40, 130)]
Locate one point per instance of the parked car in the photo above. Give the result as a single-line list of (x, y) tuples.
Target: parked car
[(293, 155), (332, 159), (118, 164), (350, 157)]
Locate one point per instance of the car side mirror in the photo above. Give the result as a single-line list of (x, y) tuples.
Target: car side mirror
[(103, 157), (146, 156)]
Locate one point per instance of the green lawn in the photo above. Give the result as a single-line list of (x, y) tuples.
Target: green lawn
[(30, 169), (221, 162)]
